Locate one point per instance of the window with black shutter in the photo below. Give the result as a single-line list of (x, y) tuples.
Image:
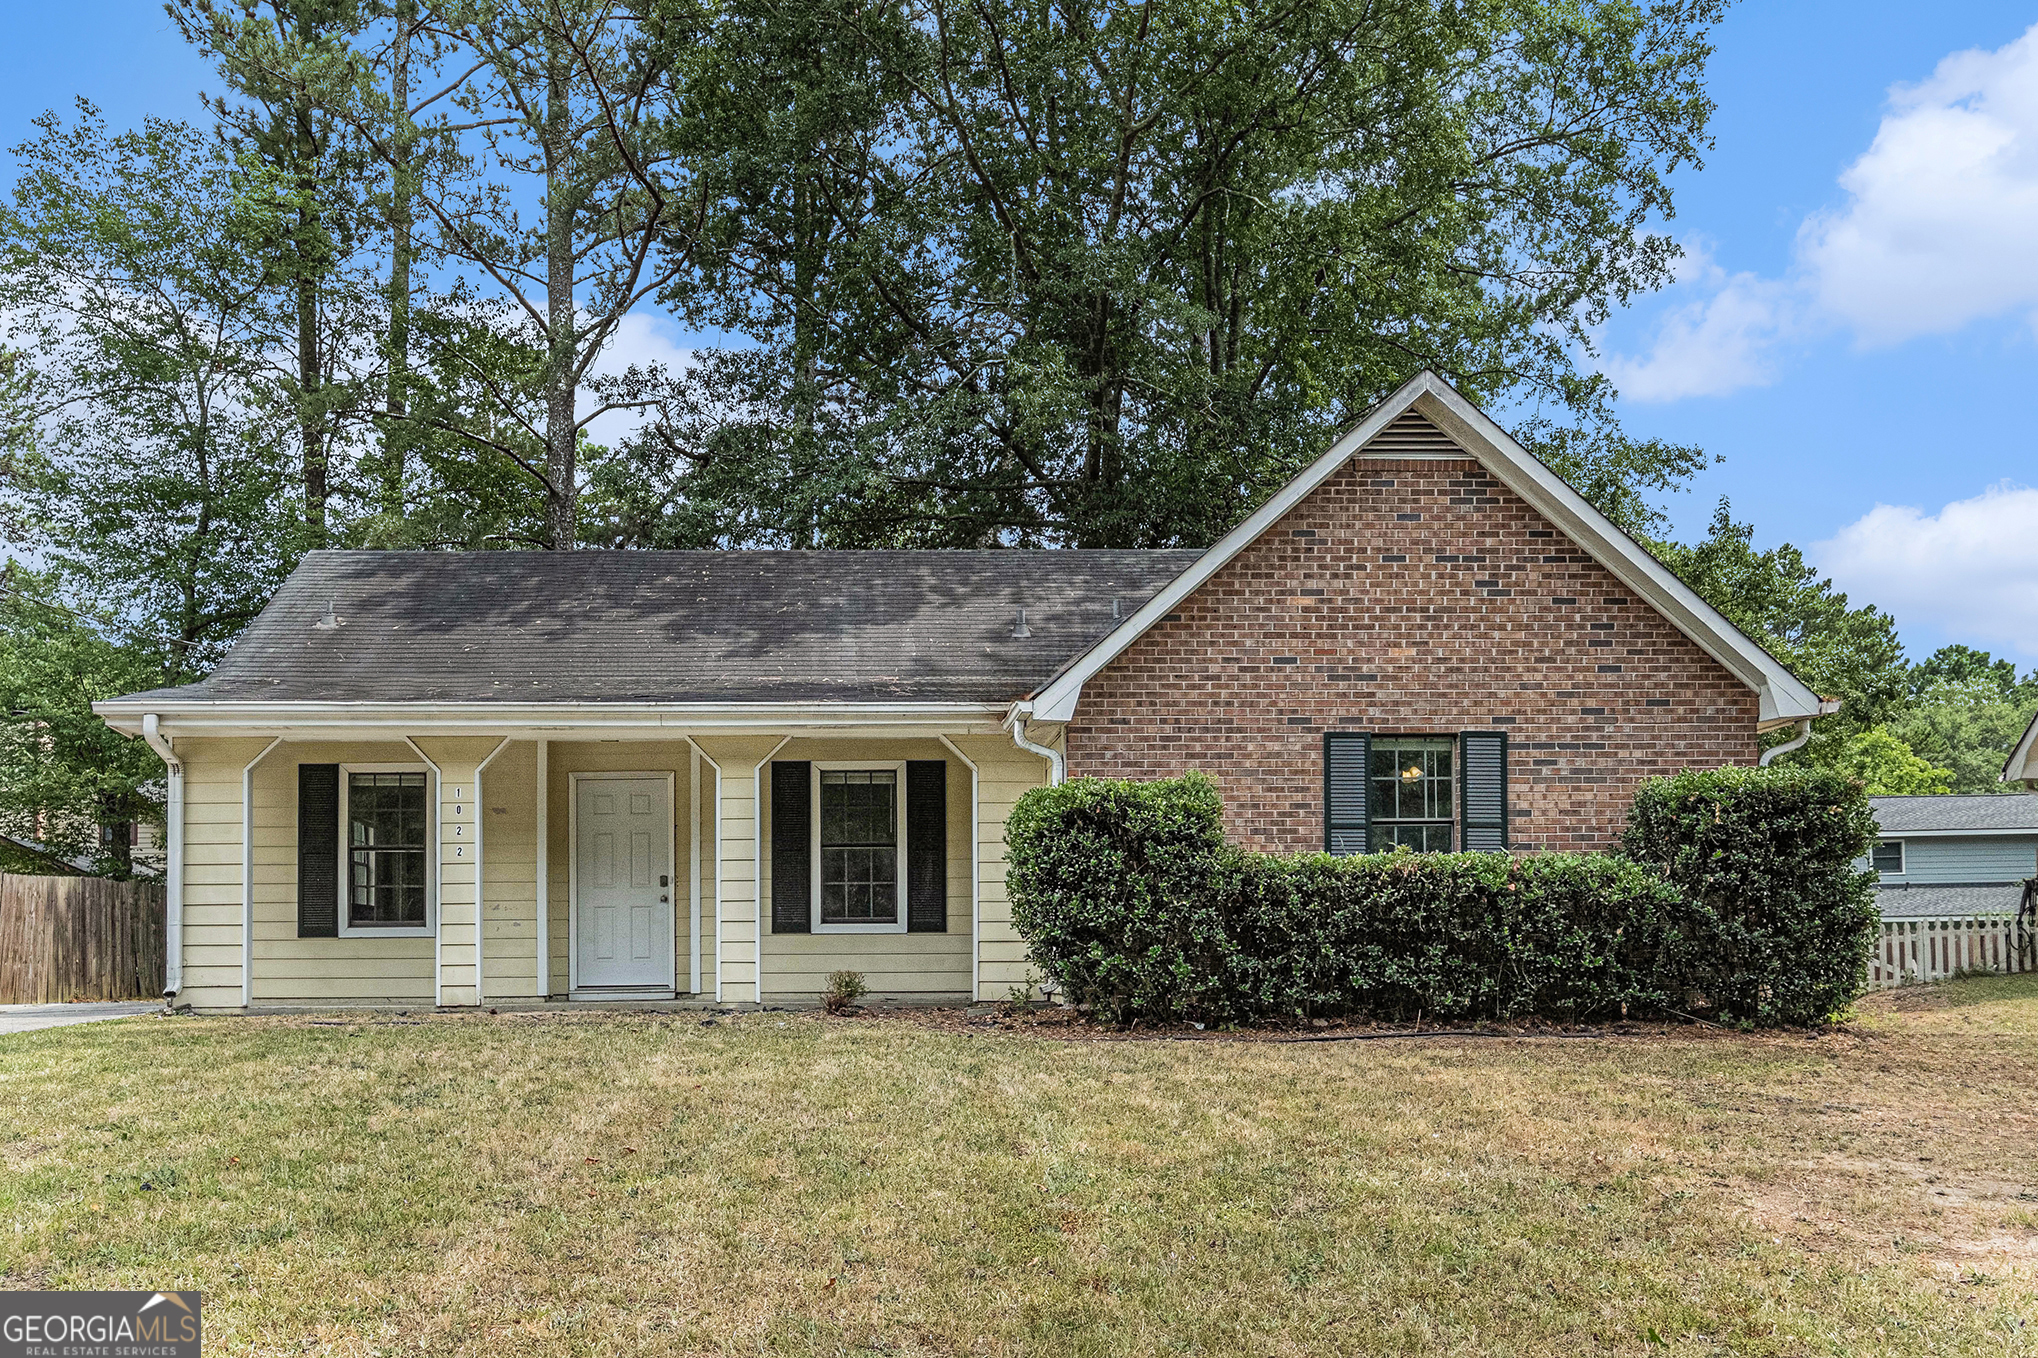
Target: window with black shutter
[(1482, 759), (1430, 793), (1344, 792), (318, 850), (859, 848), (791, 865), (926, 846)]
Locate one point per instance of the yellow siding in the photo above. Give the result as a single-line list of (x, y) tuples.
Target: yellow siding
[(1003, 773), (500, 823), (287, 969), (796, 966), (509, 836)]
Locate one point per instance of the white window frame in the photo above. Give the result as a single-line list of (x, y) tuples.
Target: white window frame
[(814, 841), (430, 927), (1455, 822), (1902, 856)]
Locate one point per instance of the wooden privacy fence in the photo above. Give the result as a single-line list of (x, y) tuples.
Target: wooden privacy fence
[(79, 938), (1940, 948)]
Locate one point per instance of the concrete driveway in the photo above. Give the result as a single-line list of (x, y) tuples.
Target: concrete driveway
[(26, 1018)]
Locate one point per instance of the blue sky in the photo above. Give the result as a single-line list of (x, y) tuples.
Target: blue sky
[(1856, 332)]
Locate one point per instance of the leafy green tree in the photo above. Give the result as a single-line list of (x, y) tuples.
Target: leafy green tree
[(1967, 710), (63, 772), (278, 57), (151, 474), (1779, 599), (1106, 274), (1887, 767)]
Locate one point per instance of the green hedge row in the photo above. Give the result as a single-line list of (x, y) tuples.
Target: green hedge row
[(1735, 895)]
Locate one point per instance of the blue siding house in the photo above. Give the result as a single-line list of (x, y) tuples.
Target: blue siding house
[(1947, 856)]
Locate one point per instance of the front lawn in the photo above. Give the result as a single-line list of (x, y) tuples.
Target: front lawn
[(784, 1184)]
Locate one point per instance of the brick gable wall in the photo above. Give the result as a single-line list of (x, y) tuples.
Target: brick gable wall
[(1416, 597)]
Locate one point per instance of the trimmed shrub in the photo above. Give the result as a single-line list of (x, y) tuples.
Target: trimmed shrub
[(1474, 935), (1737, 895), (1777, 924), (1111, 888)]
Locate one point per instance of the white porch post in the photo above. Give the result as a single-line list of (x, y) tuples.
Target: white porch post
[(481, 875), (693, 865), (248, 873), (544, 869)]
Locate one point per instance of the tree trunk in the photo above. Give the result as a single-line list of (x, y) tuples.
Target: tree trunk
[(402, 190), (561, 491), (310, 363)]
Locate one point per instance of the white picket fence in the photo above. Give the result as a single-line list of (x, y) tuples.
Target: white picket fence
[(1914, 949)]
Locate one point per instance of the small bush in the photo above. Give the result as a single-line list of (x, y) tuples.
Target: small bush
[(1777, 924), (1737, 895), (845, 988)]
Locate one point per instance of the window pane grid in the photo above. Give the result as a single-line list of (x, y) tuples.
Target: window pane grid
[(859, 846), (1411, 794), (386, 829)]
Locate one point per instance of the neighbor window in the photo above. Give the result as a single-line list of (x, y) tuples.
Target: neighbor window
[(386, 830), (1888, 856), (1409, 793), (859, 846)]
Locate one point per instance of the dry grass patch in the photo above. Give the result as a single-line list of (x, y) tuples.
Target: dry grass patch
[(785, 1184)]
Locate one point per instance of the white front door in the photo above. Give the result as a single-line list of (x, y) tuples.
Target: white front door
[(622, 866)]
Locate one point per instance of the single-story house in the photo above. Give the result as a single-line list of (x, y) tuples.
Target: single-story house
[(497, 777), (1947, 857)]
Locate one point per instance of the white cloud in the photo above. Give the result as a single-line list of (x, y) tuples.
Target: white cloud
[(1938, 229), (1937, 232), (642, 340), (1970, 570), (1718, 342)]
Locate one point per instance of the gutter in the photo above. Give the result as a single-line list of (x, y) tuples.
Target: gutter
[(173, 870), (214, 717), (1804, 733), (1015, 722)]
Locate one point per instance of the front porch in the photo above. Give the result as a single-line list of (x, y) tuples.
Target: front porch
[(626, 867)]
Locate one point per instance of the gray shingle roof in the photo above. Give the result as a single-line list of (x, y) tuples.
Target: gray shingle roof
[(1984, 813), (1917, 902), (617, 626)]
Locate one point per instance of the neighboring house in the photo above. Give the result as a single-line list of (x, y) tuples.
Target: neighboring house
[(1945, 857), (2022, 765), (731, 773)]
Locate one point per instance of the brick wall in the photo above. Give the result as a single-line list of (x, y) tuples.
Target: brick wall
[(1409, 598)]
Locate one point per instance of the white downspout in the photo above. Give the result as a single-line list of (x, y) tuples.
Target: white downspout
[(248, 873), (173, 869), (1016, 723), (1804, 733)]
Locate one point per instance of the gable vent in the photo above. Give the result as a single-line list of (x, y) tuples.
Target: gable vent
[(1411, 435)]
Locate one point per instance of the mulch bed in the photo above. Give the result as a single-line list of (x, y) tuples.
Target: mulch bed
[(1059, 1024)]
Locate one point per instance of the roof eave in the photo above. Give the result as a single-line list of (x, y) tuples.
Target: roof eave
[(189, 718)]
